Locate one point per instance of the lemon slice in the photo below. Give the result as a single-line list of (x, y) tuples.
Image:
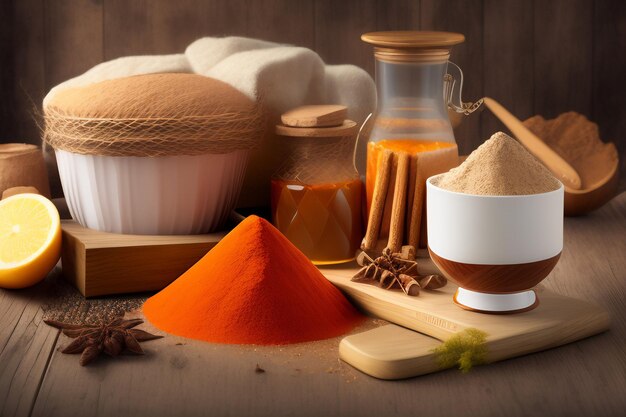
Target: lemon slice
[(30, 239)]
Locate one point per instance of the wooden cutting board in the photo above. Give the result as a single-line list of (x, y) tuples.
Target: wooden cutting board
[(394, 352)]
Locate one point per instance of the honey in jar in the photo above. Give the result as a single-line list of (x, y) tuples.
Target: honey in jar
[(322, 220)]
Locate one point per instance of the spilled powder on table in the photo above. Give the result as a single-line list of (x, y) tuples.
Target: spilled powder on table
[(62, 302), (305, 359), (500, 166), (299, 359)]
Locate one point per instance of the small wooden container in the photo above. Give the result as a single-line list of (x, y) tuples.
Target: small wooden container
[(22, 165)]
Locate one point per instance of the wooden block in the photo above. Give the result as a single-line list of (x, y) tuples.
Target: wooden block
[(100, 263), (394, 352), (322, 115)]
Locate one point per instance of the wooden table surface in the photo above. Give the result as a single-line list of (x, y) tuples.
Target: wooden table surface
[(182, 377)]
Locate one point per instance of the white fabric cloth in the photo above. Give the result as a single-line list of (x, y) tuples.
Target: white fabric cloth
[(282, 76)]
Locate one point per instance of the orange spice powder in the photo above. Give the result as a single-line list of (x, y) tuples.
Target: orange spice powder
[(254, 287)]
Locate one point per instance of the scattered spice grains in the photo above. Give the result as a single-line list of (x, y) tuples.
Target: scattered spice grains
[(303, 359), (253, 287), (65, 304), (62, 302), (500, 166)]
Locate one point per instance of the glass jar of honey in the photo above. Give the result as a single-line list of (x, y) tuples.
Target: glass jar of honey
[(316, 192), (416, 88)]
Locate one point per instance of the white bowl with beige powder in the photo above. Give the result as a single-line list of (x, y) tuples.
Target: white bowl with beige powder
[(152, 154), (495, 226)]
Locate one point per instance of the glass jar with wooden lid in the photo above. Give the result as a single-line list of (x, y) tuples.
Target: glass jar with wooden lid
[(316, 192)]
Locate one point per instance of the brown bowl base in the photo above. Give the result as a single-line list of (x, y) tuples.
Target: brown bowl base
[(495, 279)]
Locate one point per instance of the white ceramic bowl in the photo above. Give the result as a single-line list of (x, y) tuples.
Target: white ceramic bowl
[(494, 246), (158, 196)]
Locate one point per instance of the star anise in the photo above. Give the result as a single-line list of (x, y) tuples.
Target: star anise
[(90, 340), (392, 270)]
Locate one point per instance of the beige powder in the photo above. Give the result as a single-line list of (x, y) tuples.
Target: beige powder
[(500, 166), (577, 140)]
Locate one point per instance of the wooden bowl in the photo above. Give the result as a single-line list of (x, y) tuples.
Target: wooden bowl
[(497, 248), (593, 196)]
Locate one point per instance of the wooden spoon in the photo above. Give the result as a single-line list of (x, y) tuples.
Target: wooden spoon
[(552, 160)]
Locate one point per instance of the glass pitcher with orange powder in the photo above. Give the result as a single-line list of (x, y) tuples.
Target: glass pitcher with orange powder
[(316, 192), (417, 86)]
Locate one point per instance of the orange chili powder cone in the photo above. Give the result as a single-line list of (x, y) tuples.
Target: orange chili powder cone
[(254, 287)]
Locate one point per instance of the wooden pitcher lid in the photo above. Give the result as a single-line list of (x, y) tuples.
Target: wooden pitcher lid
[(413, 39)]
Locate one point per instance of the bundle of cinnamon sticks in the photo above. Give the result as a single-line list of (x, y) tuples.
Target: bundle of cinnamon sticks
[(397, 212)]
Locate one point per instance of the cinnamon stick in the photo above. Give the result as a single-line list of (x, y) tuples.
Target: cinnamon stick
[(410, 196), (386, 219), (378, 200), (416, 209), (396, 225)]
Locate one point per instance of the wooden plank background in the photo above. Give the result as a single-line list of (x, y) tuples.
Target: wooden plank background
[(542, 57)]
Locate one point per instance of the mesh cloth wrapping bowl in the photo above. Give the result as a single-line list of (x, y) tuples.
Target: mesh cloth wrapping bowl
[(153, 115), (156, 154)]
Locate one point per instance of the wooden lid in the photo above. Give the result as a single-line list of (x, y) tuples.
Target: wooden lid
[(413, 39), (10, 150), (315, 116), (348, 128)]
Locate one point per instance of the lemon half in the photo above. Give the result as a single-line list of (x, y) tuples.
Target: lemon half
[(30, 239)]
